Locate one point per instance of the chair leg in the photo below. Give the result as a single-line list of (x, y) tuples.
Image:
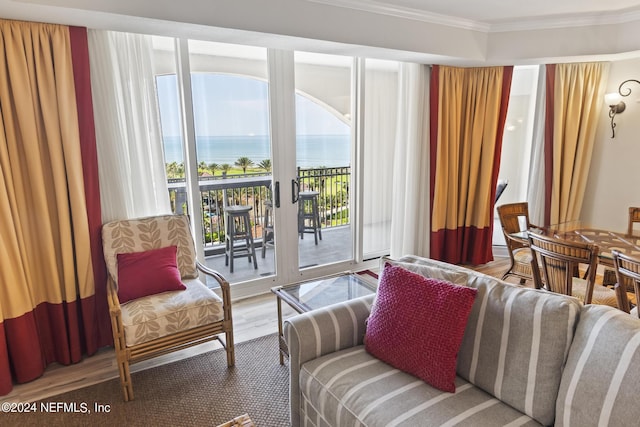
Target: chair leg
[(125, 380), (125, 373), (316, 211), (231, 351), (232, 238)]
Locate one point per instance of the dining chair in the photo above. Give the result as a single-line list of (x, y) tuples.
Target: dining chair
[(627, 278), (502, 185), (157, 302), (634, 217), (555, 266), (514, 217)]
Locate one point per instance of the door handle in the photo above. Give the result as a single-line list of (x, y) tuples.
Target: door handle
[(295, 189), (276, 194)]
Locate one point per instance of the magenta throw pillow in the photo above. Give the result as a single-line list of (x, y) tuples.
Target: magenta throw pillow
[(147, 273), (417, 324)]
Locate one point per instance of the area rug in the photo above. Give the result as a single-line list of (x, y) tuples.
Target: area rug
[(199, 391)]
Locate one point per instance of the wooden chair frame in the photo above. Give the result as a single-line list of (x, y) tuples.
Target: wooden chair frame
[(559, 261), (627, 269), (509, 215), (634, 217)]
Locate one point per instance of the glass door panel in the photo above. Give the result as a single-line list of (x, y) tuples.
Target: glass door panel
[(233, 145), (323, 158)]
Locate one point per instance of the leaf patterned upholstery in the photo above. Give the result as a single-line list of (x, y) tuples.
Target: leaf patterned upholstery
[(156, 316), (137, 235)]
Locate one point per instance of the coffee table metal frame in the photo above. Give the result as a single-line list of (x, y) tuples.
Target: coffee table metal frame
[(343, 287)]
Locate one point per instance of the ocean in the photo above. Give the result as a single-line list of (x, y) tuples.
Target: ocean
[(311, 150)]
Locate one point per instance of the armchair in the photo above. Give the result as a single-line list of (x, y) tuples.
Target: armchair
[(160, 323)]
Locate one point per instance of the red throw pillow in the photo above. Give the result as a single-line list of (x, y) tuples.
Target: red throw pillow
[(147, 273), (417, 323)]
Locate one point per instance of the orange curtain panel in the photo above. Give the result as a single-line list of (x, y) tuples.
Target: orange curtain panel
[(49, 198), (574, 102), (468, 112)]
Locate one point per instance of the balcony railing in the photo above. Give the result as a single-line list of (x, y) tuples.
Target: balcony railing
[(254, 189)]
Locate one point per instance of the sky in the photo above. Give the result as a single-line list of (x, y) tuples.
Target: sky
[(231, 105)]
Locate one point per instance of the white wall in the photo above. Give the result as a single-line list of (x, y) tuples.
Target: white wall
[(614, 176), (323, 28)]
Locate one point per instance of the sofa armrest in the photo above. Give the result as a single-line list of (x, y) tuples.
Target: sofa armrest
[(319, 332)]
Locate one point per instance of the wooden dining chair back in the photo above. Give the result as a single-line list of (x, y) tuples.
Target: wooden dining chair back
[(627, 277), (514, 217), (634, 217), (556, 265), (157, 302)]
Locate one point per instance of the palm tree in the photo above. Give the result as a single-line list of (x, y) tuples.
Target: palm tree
[(265, 164), (225, 168), (244, 163), (214, 167), (202, 168), (175, 170)]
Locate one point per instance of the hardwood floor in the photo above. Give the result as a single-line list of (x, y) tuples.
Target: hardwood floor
[(252, 317)]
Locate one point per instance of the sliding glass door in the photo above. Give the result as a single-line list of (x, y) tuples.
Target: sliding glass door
[(271, 130)]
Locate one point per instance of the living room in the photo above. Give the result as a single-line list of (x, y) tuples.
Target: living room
[(611, 176)]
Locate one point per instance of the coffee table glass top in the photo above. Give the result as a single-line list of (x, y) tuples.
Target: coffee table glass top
[(320, 293)]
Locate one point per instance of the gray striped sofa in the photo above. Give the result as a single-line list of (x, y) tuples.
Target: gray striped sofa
[(528, 357)]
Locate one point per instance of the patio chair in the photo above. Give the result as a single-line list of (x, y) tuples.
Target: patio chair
[(157, 302), (511, 216), (627, 277), (555, 267), (238, 235)]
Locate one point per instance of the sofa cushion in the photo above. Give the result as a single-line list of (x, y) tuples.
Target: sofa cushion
[(430, 268), (147, 273), (351, 387), (156, 316), (417, 324), (516, 341), (516, 344), (600, 381)]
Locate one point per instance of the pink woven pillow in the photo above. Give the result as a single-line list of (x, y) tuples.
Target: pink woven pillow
[(417, 323), (141, 274)]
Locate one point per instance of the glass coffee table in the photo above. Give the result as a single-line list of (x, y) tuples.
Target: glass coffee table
[(311, 295)]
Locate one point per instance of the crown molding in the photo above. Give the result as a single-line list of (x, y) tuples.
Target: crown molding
[(566, 21), (407, 13), (543, 23)]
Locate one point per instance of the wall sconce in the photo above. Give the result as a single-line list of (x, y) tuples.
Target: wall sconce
[(614, 101), (616, 106)]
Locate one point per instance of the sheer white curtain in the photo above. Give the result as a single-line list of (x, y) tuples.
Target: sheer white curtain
[(133, 179), (396, 173), (535, 188), (410, 202), (380, 122)]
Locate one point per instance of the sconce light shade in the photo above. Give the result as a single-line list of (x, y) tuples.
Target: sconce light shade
[(612, 98)]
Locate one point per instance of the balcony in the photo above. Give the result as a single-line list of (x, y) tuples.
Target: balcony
[(254, 189)]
